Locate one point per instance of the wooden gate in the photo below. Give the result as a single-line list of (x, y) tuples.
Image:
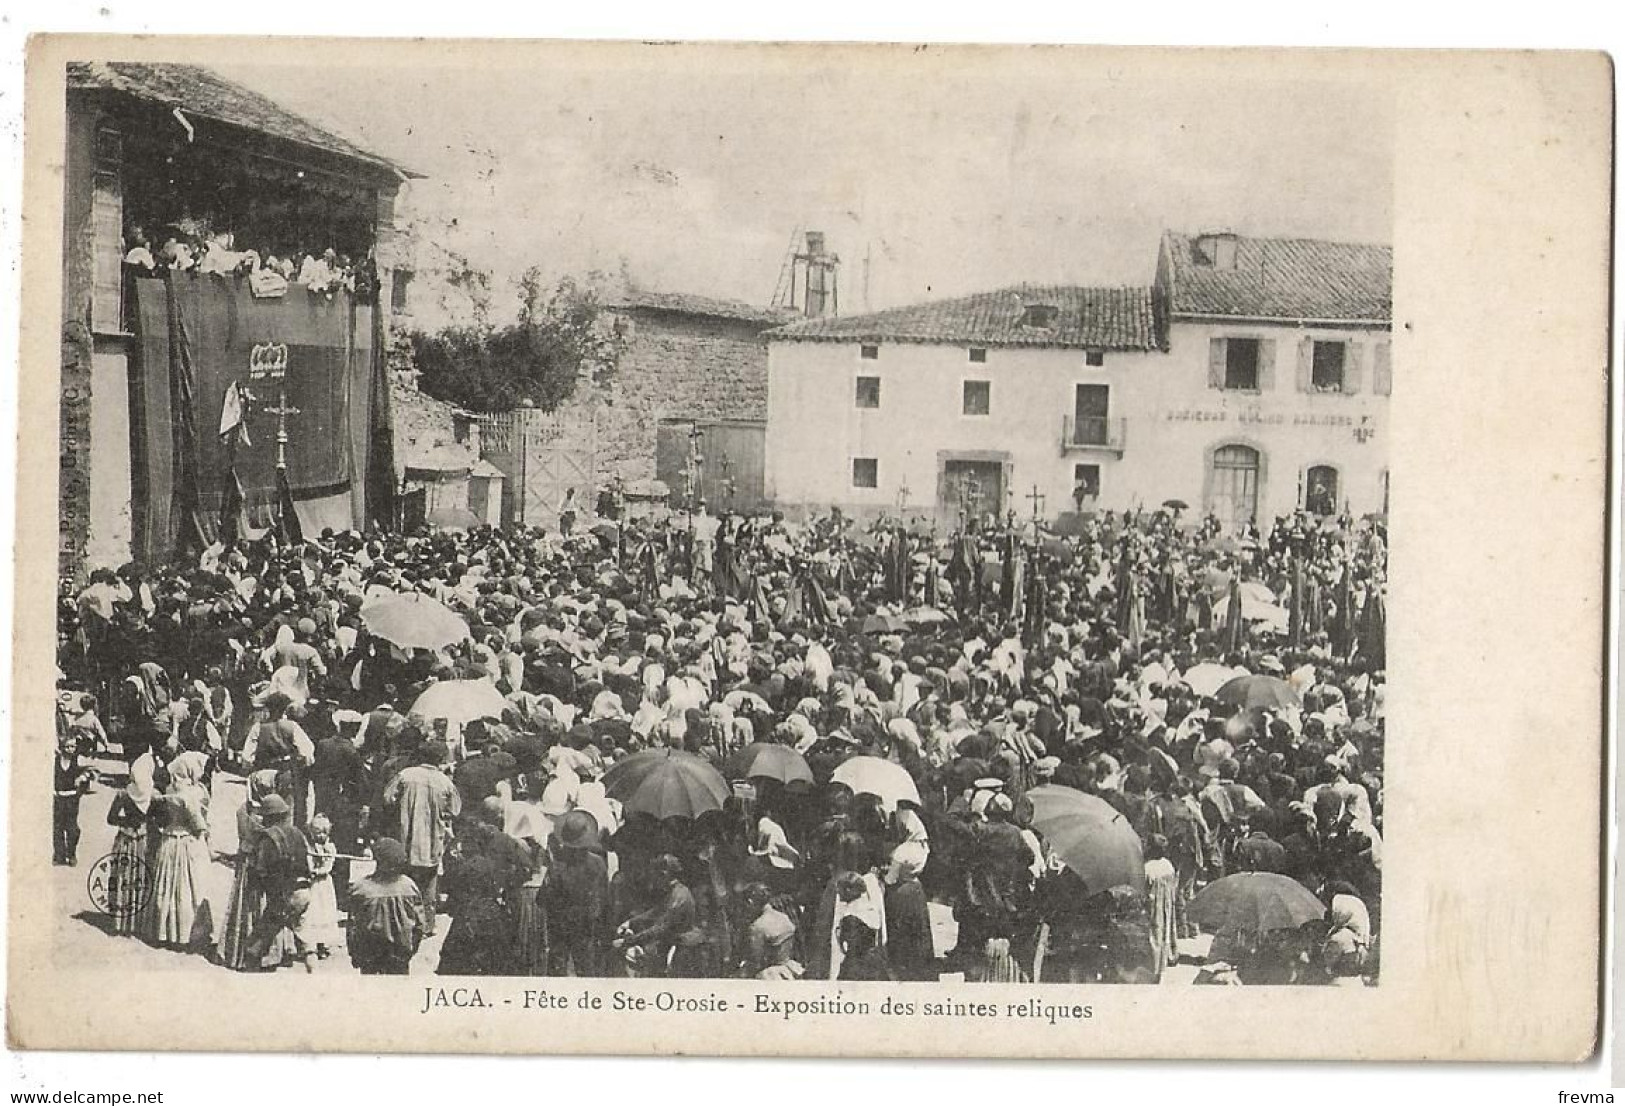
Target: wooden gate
[(732, 470), (545, 457)]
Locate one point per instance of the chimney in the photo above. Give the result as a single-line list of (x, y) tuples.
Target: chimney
[(821, 278)]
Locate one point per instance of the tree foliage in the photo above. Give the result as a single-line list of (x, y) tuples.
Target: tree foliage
[(562, 338)]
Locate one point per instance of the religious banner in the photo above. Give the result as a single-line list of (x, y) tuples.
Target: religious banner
[(231, 384)]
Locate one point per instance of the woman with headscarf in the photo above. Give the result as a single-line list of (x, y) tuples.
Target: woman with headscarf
[(1162, 897), (386, 920), (130, 880), (177, 914), (279, 743), (909, 944), (292, 663), (247, 896), (862, 951), (769, 947), (145, 711), (1346, 950)]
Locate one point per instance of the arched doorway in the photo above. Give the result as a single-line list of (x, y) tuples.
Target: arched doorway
[(1321, 493), (1233, 481)]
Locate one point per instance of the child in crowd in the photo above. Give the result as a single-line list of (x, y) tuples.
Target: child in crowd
[(320, 925)]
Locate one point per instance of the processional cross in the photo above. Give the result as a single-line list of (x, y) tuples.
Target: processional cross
[(1037, 501)]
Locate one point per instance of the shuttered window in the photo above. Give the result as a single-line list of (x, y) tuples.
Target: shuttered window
[(1241, 364), (1382, 373)]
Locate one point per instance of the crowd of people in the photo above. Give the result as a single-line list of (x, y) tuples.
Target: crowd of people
[(250, 709)]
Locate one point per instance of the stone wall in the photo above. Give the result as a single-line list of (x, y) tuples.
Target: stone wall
[(427, 428), (677, 366)]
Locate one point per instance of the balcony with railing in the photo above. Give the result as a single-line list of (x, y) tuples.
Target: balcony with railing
[(1093, 435)]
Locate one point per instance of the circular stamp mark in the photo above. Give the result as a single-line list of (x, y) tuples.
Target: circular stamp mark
[(119, 885)]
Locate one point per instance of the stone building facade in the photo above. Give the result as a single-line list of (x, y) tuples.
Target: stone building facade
[(1251, 379), (688, 359)]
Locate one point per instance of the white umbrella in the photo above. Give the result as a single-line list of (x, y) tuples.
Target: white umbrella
[(461, 701), (881, 778), (1206, 678)]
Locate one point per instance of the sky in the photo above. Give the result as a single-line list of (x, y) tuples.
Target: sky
[(947, 171)]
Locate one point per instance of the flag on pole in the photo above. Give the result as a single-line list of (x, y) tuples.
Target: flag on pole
[(1297, 620), (231, 414)]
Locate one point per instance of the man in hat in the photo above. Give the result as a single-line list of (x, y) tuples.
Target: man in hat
[(339, 779), (426, 803), (575, 896), (670, 931), (281, 868)]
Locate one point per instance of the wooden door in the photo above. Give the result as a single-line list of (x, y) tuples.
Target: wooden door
[(1234, 495)]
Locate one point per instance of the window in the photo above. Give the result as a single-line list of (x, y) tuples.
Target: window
[(1085, 484), (1095, 358), (1327, 365), (398, 282), (1320, 490), (1040, 315), (1216, 251), (1241, 364), (1090, 422), (978, 397), (869, 392), (865, 472), (869, 353), (978, 356)]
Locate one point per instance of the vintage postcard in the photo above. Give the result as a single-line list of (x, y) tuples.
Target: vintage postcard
[(812, 550)]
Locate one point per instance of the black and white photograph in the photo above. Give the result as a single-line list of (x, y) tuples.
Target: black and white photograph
[(682, 545), (796, 532)]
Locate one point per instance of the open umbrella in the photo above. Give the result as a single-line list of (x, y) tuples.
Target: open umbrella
[(1090, 836), (1254, 592), (881, 778), (461, 701), (924, 616), (413, 621), (607, 531), (1258, 693), (1253, 903), (1207, 678), (666, 783), (1176, 504), (764, 760), (883, 622)]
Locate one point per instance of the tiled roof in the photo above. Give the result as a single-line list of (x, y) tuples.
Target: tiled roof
[(1283, 278), (681, 303), (204, 93), (1086, 318)]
